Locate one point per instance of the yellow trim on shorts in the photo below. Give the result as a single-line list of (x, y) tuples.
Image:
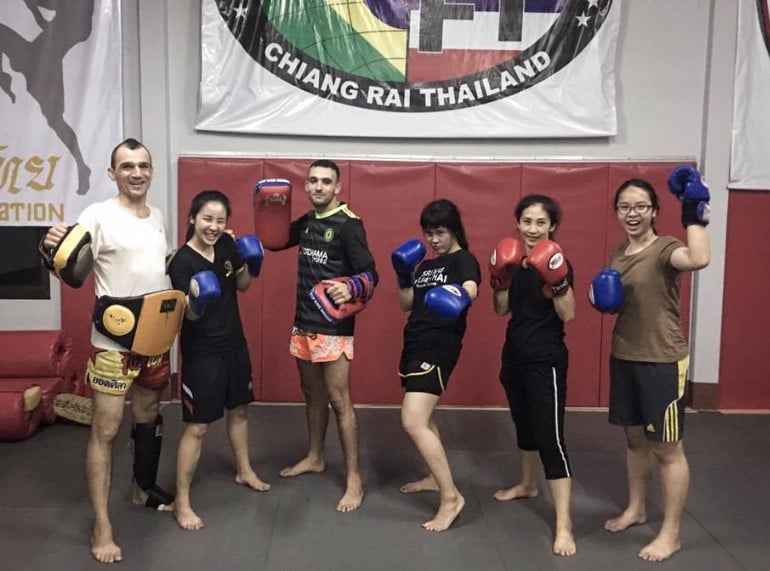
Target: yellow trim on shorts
[(425, 372), (671, 416)]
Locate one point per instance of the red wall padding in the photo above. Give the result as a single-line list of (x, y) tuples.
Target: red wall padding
[(389, 197), (76, 308), (486, 194), (744, 379)]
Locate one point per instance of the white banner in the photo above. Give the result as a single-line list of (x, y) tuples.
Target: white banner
[(749, 165), (61, 107), (409, 68)]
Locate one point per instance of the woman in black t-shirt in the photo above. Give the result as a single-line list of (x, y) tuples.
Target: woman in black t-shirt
[(438, 293), (532, 281), (216, 367)]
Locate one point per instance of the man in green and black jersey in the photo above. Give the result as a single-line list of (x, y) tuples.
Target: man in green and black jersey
[(332, 244)]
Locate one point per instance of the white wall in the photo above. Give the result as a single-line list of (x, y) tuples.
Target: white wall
[(674, 100), (35, 314)]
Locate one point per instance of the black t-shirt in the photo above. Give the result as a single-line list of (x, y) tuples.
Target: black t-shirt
[(535, 332), (219, 329), (331, 245), (426, 335)]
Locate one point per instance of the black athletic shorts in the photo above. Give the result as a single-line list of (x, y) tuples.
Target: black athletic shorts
[(420, 376), (650, 395), (211, 383)]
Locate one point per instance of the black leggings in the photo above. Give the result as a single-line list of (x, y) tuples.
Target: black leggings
[(536, 396)]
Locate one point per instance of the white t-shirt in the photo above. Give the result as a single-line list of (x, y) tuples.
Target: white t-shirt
[(129, 254)]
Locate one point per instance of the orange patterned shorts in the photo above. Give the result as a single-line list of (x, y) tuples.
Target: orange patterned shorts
[(319, 348)]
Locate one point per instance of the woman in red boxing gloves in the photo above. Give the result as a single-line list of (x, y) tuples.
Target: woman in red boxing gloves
[(532, 281)]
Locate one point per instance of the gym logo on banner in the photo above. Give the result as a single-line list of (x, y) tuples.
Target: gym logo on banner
[(407, 57)]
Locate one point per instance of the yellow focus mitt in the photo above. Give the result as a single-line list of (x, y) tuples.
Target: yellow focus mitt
[(71, 260)]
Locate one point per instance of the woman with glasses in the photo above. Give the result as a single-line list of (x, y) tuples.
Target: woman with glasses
[(532, 282), (649, 358)]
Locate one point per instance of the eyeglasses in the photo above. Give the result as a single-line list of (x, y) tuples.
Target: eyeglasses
[(637, 208), (315, 179)]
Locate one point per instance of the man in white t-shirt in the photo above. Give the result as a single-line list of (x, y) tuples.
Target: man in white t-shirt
[(129, 247)]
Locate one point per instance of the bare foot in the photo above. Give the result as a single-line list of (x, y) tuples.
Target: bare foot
[(251, 480), (446, 515), (302, 467), (352, 500), (427, 484), (140, 499), (660, 549), (103, 546), (624, 521), (517, 492), (188, 519), (564, 543)]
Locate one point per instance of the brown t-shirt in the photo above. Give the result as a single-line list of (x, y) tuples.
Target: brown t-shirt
[(649, 325)]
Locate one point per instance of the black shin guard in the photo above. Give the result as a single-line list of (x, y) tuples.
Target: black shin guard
[(148, 438)]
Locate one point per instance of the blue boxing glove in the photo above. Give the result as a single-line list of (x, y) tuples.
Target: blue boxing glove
[(606, 291), (447, 301), (405, 259), (686, 183), (204, 286), (250, 249)]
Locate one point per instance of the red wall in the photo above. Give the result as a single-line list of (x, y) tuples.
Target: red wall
[(744, 378), (389, 197)]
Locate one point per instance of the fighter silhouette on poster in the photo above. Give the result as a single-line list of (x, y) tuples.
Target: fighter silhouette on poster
[(41, 62)]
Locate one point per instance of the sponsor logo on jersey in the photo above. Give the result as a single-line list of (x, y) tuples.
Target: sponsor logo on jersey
[(318, 256), (328, 235), (430, 278)]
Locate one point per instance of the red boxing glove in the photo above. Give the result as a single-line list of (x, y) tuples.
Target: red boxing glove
[(549, 261), (508, 253), (332, 312)]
